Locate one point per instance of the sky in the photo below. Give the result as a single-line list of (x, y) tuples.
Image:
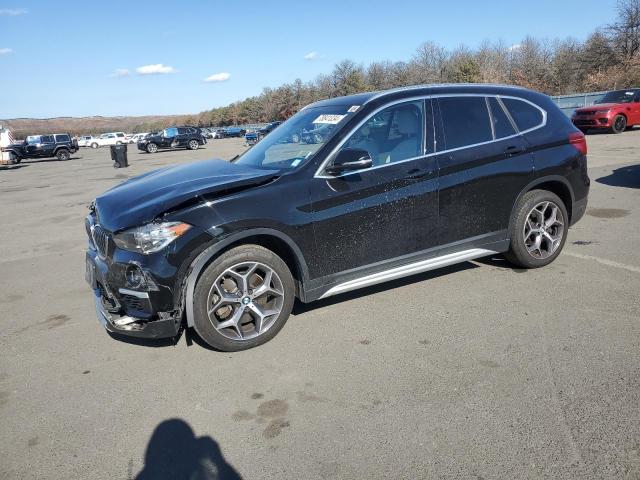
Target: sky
[(68, 58)]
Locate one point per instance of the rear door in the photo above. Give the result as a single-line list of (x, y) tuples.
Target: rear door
[(183, 137), (635, 107), (47, 146), (483, 165)]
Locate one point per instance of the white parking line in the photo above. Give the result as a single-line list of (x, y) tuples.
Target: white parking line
[(603, 261)]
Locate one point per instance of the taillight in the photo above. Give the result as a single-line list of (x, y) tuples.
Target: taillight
[(578, 140)]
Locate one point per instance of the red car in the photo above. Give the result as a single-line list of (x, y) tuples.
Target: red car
[(616, 111)]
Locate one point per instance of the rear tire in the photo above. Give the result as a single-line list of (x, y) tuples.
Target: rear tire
[(193, 145), (619, 124), (63, 155), (94, 145), (222, 298), (538, 229)]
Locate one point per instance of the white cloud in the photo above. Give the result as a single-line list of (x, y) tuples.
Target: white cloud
[(4, 51), (516, 46), (120, 72), (155, 69), (311, 56), (12, 12), (218, 77)]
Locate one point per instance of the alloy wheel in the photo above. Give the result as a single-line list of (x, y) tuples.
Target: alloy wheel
[(543, 230), (245, 300), (193, 144), (620, 123)]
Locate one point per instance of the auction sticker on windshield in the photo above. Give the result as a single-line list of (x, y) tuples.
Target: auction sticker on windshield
[(330, 119)]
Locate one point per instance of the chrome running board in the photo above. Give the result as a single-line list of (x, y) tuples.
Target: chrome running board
[(406, 270)]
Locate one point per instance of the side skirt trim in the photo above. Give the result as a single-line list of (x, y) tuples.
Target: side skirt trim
[(410, 269)]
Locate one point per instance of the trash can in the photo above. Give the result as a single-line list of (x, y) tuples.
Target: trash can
[(119, 156)]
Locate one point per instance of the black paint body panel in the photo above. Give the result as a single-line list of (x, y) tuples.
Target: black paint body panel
[(337, 229)]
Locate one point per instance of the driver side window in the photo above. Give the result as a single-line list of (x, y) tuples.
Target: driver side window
[(392, 135)]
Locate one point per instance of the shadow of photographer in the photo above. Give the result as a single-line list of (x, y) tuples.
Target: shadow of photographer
[(174, 452)]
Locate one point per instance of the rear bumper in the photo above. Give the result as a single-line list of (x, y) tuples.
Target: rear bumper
[(131, 326), (577, 212)]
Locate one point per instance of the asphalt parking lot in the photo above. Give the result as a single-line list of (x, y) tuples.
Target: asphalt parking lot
[(477, 371)]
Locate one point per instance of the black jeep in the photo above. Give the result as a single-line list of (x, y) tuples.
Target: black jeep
[(173, 137), (59, 145)]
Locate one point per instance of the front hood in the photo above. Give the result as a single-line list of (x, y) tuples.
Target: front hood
[(141, 199), (597, 106)]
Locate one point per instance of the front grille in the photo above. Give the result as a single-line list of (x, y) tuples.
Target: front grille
[(134, 303), (100, 240)]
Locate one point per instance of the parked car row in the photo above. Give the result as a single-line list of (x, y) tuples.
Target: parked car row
[(255, 136)]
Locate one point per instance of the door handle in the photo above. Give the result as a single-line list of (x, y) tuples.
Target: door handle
[(514, 150), (417, 173)]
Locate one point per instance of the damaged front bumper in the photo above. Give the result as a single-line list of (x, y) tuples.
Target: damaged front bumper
[(132, 326), (125, 311)]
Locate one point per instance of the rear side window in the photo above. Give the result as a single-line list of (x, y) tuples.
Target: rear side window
[(119, 135), (524, 114), (62, 138), (182, 131), (46, 138), (465, 121), (502, 127)]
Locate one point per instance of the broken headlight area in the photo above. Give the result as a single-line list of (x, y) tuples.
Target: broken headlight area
[(150, 238)]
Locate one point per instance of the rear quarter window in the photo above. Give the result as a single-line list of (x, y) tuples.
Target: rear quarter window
[(62, 138), (524, 114), (465, 121), (502, 126)]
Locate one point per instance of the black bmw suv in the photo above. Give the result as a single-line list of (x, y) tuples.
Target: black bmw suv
[(173, 137), (407, 180)]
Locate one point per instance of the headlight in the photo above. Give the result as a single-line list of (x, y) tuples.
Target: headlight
[(602, 112), (150, 238)]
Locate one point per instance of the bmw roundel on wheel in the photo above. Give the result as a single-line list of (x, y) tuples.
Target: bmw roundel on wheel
[(410, 179)]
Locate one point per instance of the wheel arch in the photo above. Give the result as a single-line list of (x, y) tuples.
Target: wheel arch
[(553, 183), (274, 240)]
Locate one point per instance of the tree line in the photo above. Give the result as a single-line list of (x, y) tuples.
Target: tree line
[(608, 59)]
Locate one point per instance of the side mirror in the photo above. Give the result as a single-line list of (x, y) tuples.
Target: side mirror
[(349, 159)]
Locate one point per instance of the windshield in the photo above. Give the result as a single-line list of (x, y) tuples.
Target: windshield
[(297, 139), (619, 96)]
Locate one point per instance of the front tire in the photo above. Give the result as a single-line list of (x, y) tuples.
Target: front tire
[(619, 124), (193, 145), (94, 145), (63, 155), (243, 298), (152, 148), (538, 229)]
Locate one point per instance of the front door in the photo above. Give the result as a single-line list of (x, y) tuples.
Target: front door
[(387, 210)]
